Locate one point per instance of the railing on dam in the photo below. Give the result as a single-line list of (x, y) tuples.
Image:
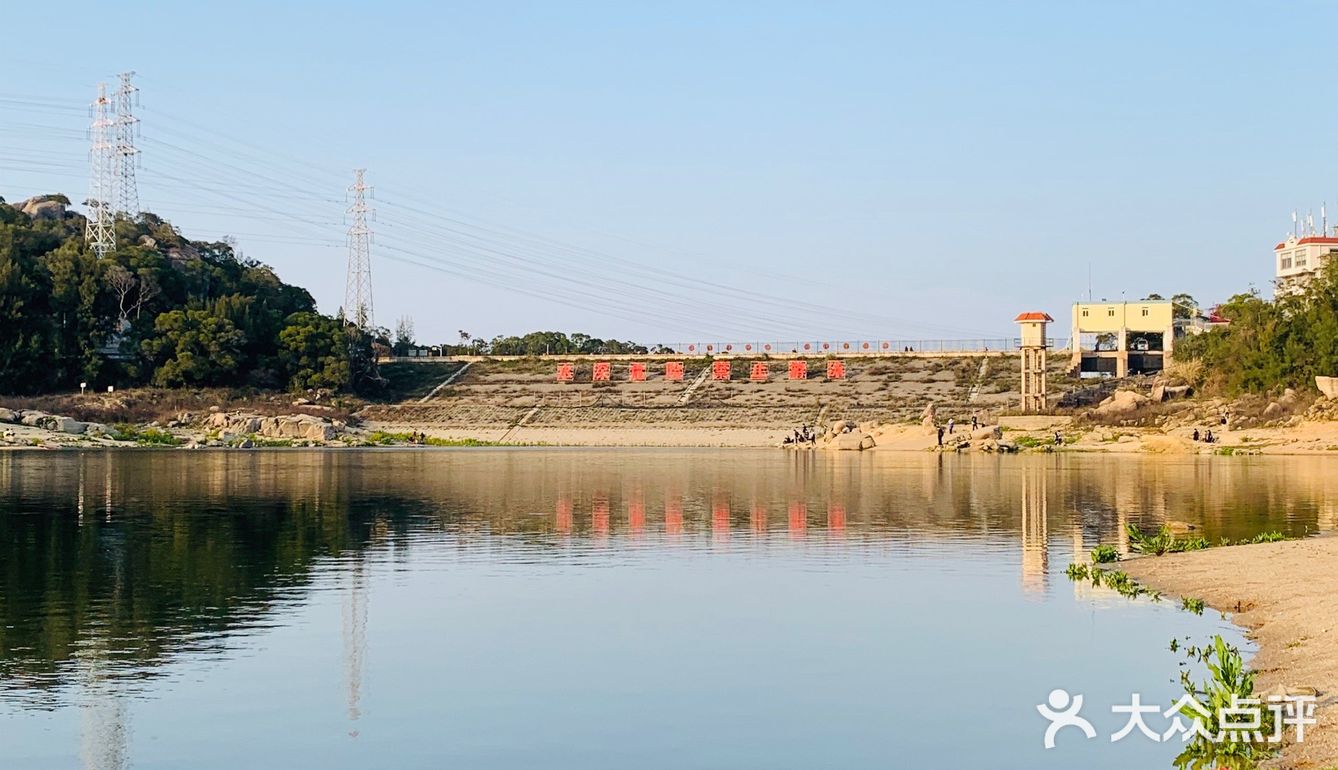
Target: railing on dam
[(775, 349)]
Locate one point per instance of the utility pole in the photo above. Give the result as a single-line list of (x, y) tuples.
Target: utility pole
[(98, 232), (358, 285), (126, 154)]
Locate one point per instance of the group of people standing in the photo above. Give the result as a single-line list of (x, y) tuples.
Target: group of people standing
[(951, 427)]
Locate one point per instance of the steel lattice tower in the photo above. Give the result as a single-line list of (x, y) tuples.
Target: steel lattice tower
[(358, 287), (125, 153), (98, 233)]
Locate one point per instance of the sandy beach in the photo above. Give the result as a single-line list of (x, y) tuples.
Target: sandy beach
[(1286, 596)]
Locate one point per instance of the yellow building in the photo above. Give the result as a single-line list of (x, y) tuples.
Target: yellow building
[(1121, 338)]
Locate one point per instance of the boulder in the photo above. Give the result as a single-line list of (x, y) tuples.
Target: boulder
[(1273, 411), (1121, 402), (988, 432), (1327, 386), (62, 424), (40, 209), (33, 419), (852, 442), (9, 415), (929, 419), (867, 442), (297, 426)]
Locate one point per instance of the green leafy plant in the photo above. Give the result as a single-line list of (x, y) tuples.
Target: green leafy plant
[(1191, 604), (1228, 680), (1162, 542), (1104, 554)]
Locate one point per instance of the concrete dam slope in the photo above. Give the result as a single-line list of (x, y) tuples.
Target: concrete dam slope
[(495, 397)]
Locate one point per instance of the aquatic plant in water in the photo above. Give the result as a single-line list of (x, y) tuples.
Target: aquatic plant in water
[(1191, 604)]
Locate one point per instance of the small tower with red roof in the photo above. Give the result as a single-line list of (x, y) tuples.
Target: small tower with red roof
[(1035, 397)]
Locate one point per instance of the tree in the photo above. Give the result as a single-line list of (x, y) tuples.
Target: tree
[(193, 347), (315, 352), (404, 341)]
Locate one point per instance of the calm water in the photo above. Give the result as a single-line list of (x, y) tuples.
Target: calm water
[(591, 609)]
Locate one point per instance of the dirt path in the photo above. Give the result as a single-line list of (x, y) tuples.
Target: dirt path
[(1286, 594)]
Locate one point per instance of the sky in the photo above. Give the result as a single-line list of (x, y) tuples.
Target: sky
[(695, 171)]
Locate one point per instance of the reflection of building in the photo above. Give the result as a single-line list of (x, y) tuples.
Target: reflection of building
[(1120, 338), (1035, 530), (1297, 259)]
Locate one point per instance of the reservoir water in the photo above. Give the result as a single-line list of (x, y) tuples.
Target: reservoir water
[(526, 608)]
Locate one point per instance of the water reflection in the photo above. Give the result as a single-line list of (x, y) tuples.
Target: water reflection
[(115, 566)]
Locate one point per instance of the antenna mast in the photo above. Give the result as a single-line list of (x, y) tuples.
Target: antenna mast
[(98, 232)]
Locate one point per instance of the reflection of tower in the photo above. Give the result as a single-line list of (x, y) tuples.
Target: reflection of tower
[(355, 638), (104, 735), (1326, 518), (1035, 531)]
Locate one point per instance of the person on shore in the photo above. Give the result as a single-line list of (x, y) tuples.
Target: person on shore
[(975, 423), (1196, 434), (952, 425), (940, 435), (1208, 439), (1059, 439)]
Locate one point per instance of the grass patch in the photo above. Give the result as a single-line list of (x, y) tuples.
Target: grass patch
[(385, 438), (144, 436), (1162, 542)]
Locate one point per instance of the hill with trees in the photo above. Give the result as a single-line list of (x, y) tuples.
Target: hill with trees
[(1270, 344), (159, 309)]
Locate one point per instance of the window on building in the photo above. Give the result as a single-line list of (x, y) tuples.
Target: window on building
[(1111, 312), (1145, 312), (1084, 314), (1286, 263), (1299, 258)]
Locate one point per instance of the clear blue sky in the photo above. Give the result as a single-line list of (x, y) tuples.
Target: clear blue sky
[(924, 169)]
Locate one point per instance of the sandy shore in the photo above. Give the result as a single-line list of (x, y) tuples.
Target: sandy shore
[(1286, 595)]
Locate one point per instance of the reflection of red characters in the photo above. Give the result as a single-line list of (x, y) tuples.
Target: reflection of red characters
[(758, 518), (599, 515), (798, 370), (636, 372), (673, 371), (720, 517), (562, 520), (836, 516), (636, 513), (603, 371), (566, 373), (836, 370), (720, 370), (798, 518), (673, 515)]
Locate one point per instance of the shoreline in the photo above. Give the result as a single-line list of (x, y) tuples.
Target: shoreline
[(1285, 596), (1305, 439)]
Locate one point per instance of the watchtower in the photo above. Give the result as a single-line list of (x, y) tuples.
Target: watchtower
[(1034, 360)]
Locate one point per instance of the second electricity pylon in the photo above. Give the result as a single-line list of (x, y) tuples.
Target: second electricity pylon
[(126, 154), (358, 286), (98, 232)]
